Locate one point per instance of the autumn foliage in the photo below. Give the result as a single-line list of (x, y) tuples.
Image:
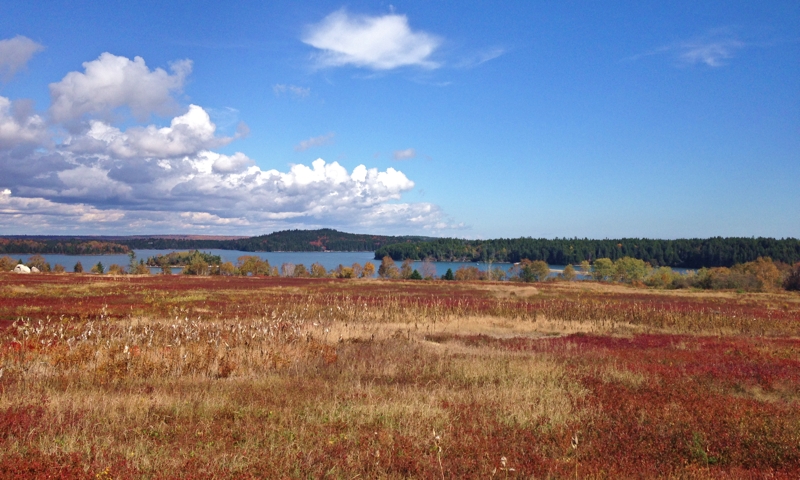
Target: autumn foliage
[(300, 377)]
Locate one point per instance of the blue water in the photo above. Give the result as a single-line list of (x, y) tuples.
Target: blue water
[(330, 260)]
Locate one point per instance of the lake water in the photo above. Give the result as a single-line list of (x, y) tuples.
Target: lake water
[(330, 260)]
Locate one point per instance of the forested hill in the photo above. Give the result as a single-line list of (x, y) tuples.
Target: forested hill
[(286, 241), (686, 253), (316, 240), (65, 246)]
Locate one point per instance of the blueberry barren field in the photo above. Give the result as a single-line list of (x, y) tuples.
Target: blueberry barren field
[(272, 377)]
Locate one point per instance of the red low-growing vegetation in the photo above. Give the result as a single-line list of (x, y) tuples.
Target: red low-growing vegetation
[(274, 377), (671, 405)]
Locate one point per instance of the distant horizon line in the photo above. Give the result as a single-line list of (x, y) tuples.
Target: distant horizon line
[(180, 236)]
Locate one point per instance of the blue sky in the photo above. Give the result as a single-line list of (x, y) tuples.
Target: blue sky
[(469, 119)]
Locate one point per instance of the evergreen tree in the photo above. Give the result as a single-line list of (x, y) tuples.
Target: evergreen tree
[(448, 275)]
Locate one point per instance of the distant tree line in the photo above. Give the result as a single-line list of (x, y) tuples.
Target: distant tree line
[(682, 253), (320, 240), (62, 246)]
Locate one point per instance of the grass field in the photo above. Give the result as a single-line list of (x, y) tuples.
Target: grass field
[(210, 377)]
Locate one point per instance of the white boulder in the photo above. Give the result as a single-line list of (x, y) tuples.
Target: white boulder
[(34, 270), (22, 269)]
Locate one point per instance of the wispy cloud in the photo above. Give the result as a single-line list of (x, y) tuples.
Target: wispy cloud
[(406, 154), (713, 53), (15, 54), (379, 43), (314, 142), (714, 49), (481, 57), (294, 90)]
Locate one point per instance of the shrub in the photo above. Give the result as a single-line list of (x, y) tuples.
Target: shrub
[(763, 270), (300, 270), (467, 273), (166, 269), (343, 272), (369, 270), (406, 269), (358, 270), (496, 274), (7, 264), (683, 281), (388, 268), (253, 265), (287, 269), (603, 269), (139, 268), (59, 268), (533, 271), (78, 268), (39, 262), (115, 269), (318, 271), (792, 281), (227, 269), (428, 269), (197, 266), (630, 270), (569, 273), (661, 277), (721, 278)]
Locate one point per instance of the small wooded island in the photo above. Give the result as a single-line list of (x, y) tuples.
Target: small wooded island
[(182, 259)]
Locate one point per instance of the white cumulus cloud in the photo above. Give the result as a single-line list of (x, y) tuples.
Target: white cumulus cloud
[(111, 82), (25, 211), (380, 43), (235, 163), (19, 126), (101, 177), (15, 54), (186, 135)]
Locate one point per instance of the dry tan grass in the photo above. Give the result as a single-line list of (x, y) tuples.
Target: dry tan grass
[(613, 373), (507, 290), (621, 288), (519, 389), (302, 379), (368, 384)]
